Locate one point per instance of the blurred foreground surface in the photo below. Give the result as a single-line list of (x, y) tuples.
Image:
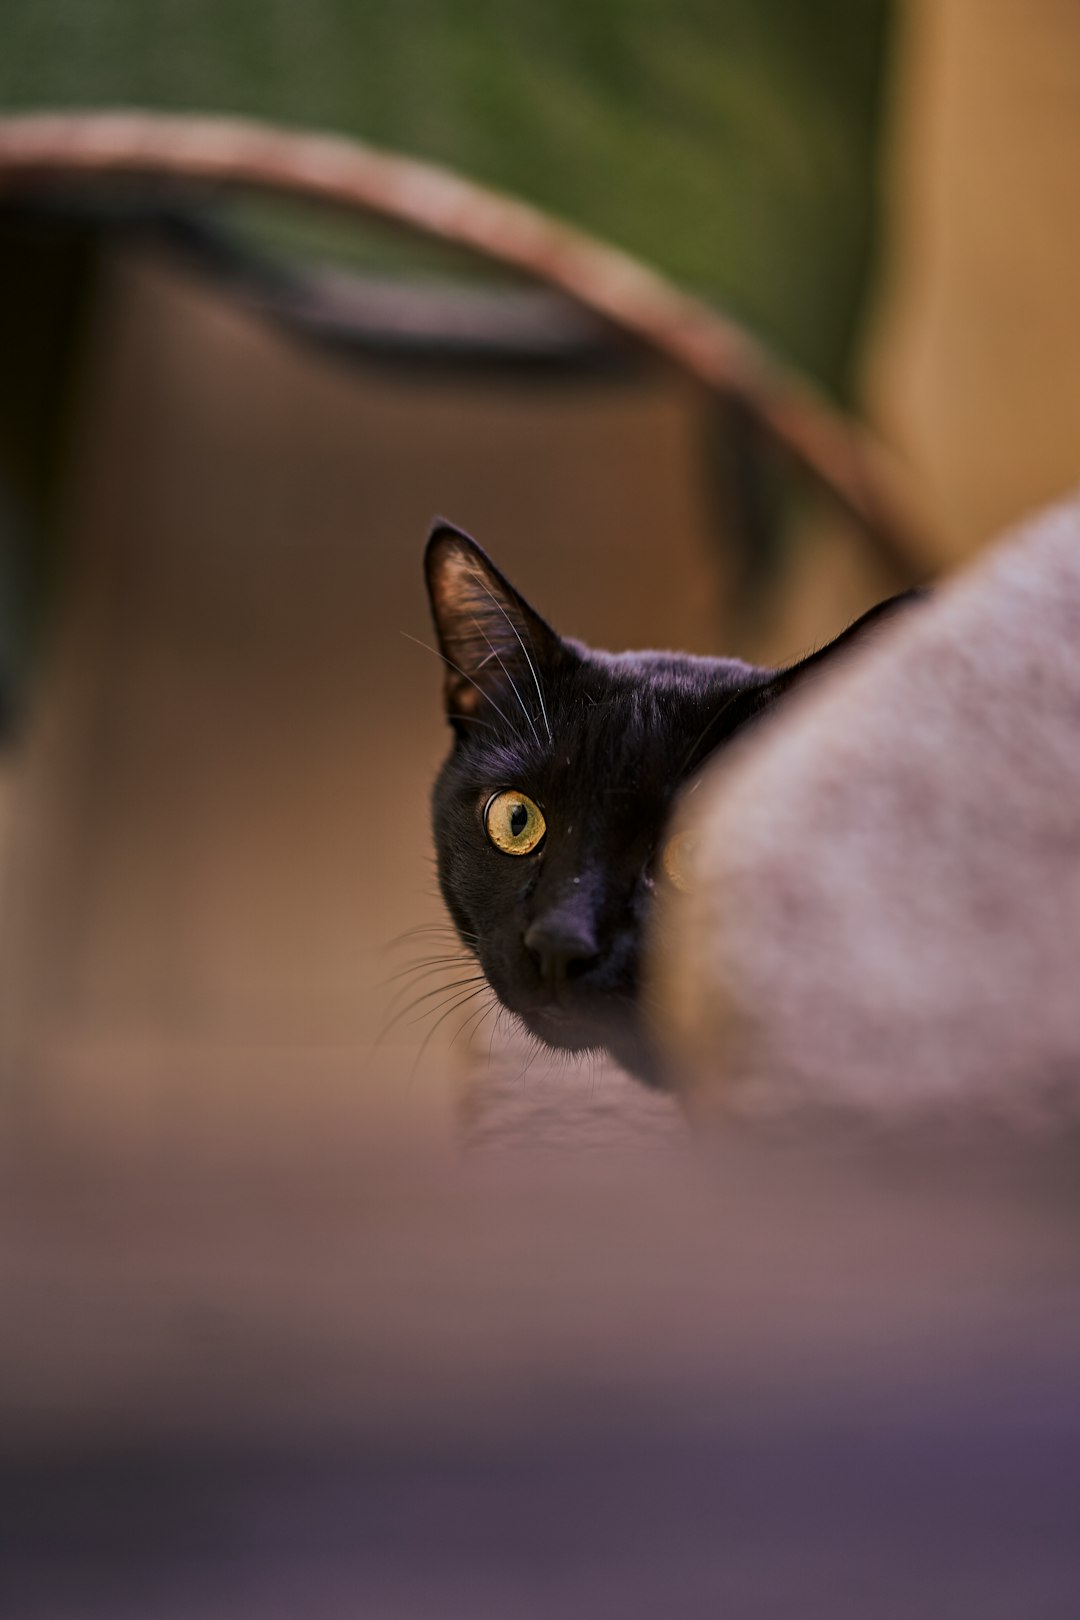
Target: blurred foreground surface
[(803, 1378)]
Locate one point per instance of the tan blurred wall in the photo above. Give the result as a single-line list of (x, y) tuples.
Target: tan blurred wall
[(974, 362), (219, 819)]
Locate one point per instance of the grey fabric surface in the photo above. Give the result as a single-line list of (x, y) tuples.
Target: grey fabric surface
[(885, 908)]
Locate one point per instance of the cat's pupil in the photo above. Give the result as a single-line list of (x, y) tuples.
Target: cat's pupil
[(519, 820)]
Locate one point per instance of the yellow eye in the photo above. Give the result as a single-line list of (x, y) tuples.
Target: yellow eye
[(514, 823), (678, 858)]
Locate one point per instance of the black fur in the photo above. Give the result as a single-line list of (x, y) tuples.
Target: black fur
[(603, 743)]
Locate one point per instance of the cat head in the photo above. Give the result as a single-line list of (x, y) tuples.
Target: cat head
[(550, 812)]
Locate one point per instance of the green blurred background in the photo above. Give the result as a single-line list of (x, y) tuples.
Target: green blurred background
[(732, 143)]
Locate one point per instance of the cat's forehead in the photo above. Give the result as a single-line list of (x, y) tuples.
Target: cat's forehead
[(608, 720), (654, 696)]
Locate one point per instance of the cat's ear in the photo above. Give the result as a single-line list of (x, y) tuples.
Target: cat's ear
[(863, 630), (495, 646)]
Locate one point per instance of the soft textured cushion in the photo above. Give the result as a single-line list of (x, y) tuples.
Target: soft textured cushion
[(885, 906)]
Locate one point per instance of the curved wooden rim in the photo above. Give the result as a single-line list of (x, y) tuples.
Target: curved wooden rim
[(347, 175)]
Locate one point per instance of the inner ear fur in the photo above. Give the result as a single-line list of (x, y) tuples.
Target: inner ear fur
[(492, 641)]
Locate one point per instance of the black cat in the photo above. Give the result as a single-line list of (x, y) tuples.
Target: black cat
[(550, 811)]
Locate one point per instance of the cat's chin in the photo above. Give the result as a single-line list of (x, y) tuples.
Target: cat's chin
[(560, 1030), (564, 1033)]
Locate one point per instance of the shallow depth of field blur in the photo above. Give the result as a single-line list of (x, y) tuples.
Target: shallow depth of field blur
[(219, 733)]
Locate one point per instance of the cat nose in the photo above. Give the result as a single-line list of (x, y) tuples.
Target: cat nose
[(561, 948)]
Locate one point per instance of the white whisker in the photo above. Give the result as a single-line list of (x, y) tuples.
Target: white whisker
[(532, 668), (460, 1002), (460, 671), (513, 684)]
